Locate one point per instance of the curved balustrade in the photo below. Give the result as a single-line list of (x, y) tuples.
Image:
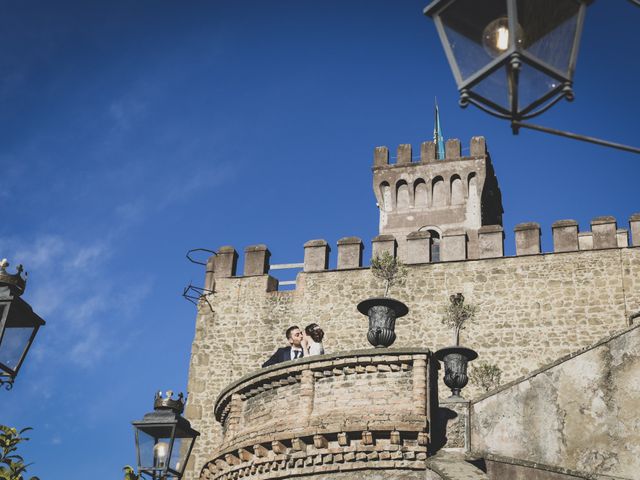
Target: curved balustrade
[(354, 411)]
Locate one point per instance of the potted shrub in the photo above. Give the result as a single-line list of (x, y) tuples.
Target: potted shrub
[(383, 311), (456, 358)]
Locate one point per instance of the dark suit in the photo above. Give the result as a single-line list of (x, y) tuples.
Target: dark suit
[(281, 355)]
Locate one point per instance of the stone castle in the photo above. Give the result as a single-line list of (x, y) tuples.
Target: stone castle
[(560, 325)]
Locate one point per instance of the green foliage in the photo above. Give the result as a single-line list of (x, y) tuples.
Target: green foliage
[(485, 375), (389, 269), (457, 314), (12, 466), (129, 473)]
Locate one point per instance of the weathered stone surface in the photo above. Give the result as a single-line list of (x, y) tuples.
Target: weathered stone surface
[(418, 247), (585, 240), (383, 243), (427, 152), (350, 252), (634, 228), (453, 246), (404, 153), (452, 149), (604, 232), (451, 424), (527, 238), (565, 236), (622, 238), (381, 156), (453, 466), (316, 255), (490, 241), (579, 413), (500, 467), (225, 262), (256, 260)]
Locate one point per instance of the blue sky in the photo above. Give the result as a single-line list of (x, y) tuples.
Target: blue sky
[(132, 131)]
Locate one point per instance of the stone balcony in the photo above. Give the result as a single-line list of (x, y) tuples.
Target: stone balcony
[(339, 416)]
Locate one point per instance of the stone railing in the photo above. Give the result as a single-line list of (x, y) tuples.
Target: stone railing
[(360, 410)]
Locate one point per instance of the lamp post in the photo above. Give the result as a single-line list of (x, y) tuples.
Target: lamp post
[(18, 324), (164, 439), (514, 59)]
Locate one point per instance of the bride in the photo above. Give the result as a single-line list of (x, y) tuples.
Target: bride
[(312, 341)]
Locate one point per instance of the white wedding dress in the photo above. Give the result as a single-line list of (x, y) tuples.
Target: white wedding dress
[(316, 349)]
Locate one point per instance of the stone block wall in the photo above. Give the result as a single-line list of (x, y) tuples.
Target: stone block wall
[(532, 309), (575, 418)]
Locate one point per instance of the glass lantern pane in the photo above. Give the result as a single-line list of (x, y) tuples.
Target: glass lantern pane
[(465, 24), (145, 449), (533, 85), (495, 88), (179, 453), (184, 439), (550, 28), (13, 344)]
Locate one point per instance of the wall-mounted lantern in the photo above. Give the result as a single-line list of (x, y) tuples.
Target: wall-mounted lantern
[(164, 439), (19, 324)]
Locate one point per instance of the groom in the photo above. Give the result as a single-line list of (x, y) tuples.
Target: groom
[(293, 351)]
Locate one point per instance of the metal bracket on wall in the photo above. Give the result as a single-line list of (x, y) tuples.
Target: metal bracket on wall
[(194, 294), (193, 250)]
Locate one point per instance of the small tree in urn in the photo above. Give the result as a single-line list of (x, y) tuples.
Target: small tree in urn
[(457, 314), (388, 269), (456, 357), (383, 311)]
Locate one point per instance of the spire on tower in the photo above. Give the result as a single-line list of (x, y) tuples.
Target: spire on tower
[(438, 139)]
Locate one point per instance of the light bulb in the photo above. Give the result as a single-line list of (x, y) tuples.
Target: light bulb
[(160, 454), (496, 36)]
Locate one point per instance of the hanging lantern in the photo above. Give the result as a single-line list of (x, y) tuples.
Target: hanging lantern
[(511, 58)]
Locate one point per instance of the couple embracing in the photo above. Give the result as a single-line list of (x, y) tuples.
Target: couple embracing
[(301, 344)]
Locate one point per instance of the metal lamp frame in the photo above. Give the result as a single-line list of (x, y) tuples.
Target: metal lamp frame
[(11, 306), (512, 59), (171, 421)]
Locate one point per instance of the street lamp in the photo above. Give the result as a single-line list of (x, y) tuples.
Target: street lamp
[(513, 59), (164, 439), (18, 324)]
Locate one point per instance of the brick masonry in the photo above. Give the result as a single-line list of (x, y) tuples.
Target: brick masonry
[(365, 411)]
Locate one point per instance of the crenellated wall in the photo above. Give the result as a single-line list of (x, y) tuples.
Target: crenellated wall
[(604, 234), (532, 308)]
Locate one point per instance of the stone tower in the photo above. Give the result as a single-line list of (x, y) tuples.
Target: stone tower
[(452, 196)]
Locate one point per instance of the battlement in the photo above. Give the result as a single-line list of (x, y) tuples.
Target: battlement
[(457, 193), (453, 151), (453, 247)]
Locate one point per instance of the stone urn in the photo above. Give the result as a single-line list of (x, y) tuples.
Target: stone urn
[(455, 361), (382, 313)]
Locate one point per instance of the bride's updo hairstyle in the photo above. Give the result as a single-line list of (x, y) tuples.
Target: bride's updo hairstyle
[(315, 332)]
